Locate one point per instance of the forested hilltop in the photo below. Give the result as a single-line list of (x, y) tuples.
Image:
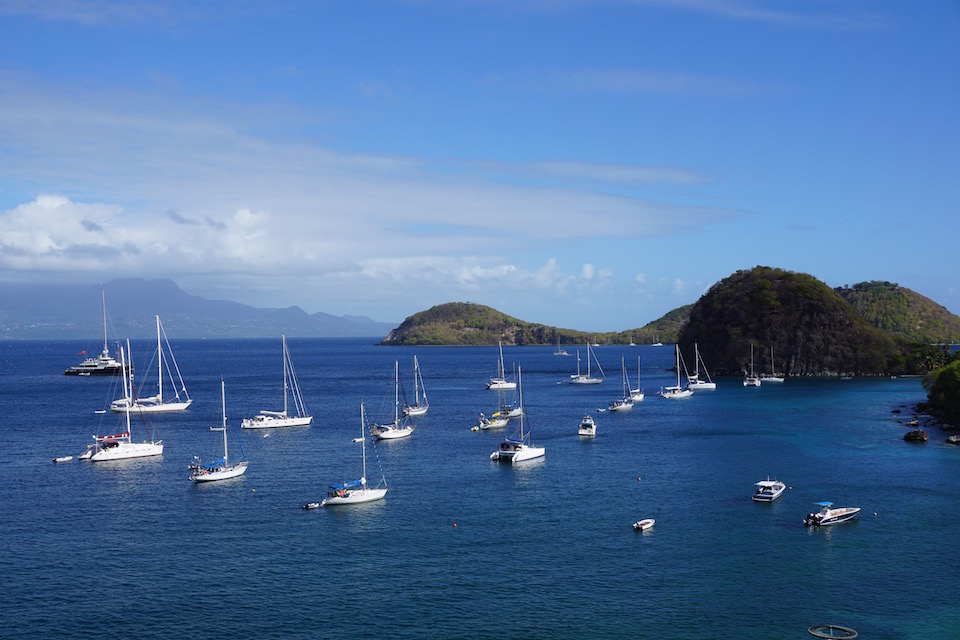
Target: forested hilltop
[(812, 329), (902, 312), (466, 323)]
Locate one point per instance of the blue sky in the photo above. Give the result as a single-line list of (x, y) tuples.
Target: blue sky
[(586, 164)]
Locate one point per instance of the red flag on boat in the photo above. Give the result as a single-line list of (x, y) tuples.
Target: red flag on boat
[(81, 353)]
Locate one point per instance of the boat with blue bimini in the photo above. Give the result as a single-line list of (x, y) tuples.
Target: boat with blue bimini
[(357, 491)]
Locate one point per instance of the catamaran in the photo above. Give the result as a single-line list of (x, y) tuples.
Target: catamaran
[(219, 469), (157, 403), (356, 491), (120, 446), (520, 449), (270, 419)]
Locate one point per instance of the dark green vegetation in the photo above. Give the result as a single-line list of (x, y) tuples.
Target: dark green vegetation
[(812, 329), (902, 312), (943, 392), (466, 323)]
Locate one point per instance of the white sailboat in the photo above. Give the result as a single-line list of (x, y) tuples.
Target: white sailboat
[(694, 381), (357, 491), (271, 419), (677, 392), (220, 469), (102, 365), (588, 378), (559, 351), (500, 381), (417, 409), (518, 450), (637, 394), (157, 403), (772, 376), (397, 428), (120, 446), (626, 402), (751, 380)]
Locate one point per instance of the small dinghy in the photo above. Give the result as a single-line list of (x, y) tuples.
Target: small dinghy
[(311, 505), (63, 459), (643, 525)]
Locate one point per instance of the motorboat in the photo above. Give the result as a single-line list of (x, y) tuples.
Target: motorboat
[(768, 490), (643, 525), (829, 515), (311, 505), (102, 365), (63, 459), (588, 428)]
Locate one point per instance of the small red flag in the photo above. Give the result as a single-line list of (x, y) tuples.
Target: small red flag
[(81, 353)]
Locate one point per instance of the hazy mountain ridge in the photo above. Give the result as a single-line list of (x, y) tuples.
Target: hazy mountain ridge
[(48, 311)]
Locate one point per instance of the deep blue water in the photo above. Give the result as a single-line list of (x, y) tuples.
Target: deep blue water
[(133, 549)]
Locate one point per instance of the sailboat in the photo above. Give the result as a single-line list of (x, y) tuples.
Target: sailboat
[(559, 351), (417, 409), (772, 376), (637, 394), (102, 365), (518, 450), (157, 403), (218, 469), (357, 491), (694, 381), (500, 381), (751, 380), (586, 379), (626, 402), (677, 392), (270, 419), (395, 429), (120, 446)]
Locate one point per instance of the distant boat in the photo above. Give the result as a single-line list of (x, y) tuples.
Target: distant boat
[(102, 365), (678, 392), (644, 525), (157, 403), (219, 469), (587, 428), (63, 459), (120, 446), (559, 351), (768, 490), (493, 422), (588, 378), (272, 419), (520, 449), (500, 380), (398, 428), (773, 376), (694, 381), (357, 491), (416, 409), (828, 515), (637, 394), (751, 380), (626, 402)]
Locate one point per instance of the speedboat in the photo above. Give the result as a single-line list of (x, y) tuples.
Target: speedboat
[(768, 490), (827, 515), (63, 459), (311, 505), (643, 525), (588, 428)]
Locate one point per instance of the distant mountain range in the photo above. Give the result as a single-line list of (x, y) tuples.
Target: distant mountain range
[(49, 311)]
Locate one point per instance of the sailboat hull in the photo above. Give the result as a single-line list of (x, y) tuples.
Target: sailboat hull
[(356, 496), (127, 450), (392, 433), (414, 411), (149, 407), (221, 474), (263, 421)]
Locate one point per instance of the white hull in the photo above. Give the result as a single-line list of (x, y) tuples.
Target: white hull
[(621, 406), (831, 516), (636, 395), (700, 385), (272, 422), (768, 491), (501, 384), (392, 433), (63, 459), (413, 412), (496, 423), (644, 525), (585, 380), (751, 382), (355, 496), (771, 379), (120, 406), (587, 432), (127, 450), (517, 453), (221, 474), (675, 394)]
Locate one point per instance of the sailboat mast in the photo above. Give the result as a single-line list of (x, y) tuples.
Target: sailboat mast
[(283, 338), (223, 404), (103, 301), (363, 449), (159, 364), (416, 381), (127, 390), (520, 399), (396, 392)]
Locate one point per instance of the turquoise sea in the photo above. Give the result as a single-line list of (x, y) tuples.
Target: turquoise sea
[(462, 547)]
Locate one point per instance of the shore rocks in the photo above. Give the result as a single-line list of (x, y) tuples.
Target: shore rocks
[(917, 435)]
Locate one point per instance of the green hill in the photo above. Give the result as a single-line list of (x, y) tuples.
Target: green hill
[(812, 329), (902, 312), (466, 323)]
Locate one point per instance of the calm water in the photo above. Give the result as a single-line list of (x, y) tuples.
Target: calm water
[(463, 547)]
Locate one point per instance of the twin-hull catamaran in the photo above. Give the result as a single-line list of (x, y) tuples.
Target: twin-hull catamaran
[(518, 450)]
